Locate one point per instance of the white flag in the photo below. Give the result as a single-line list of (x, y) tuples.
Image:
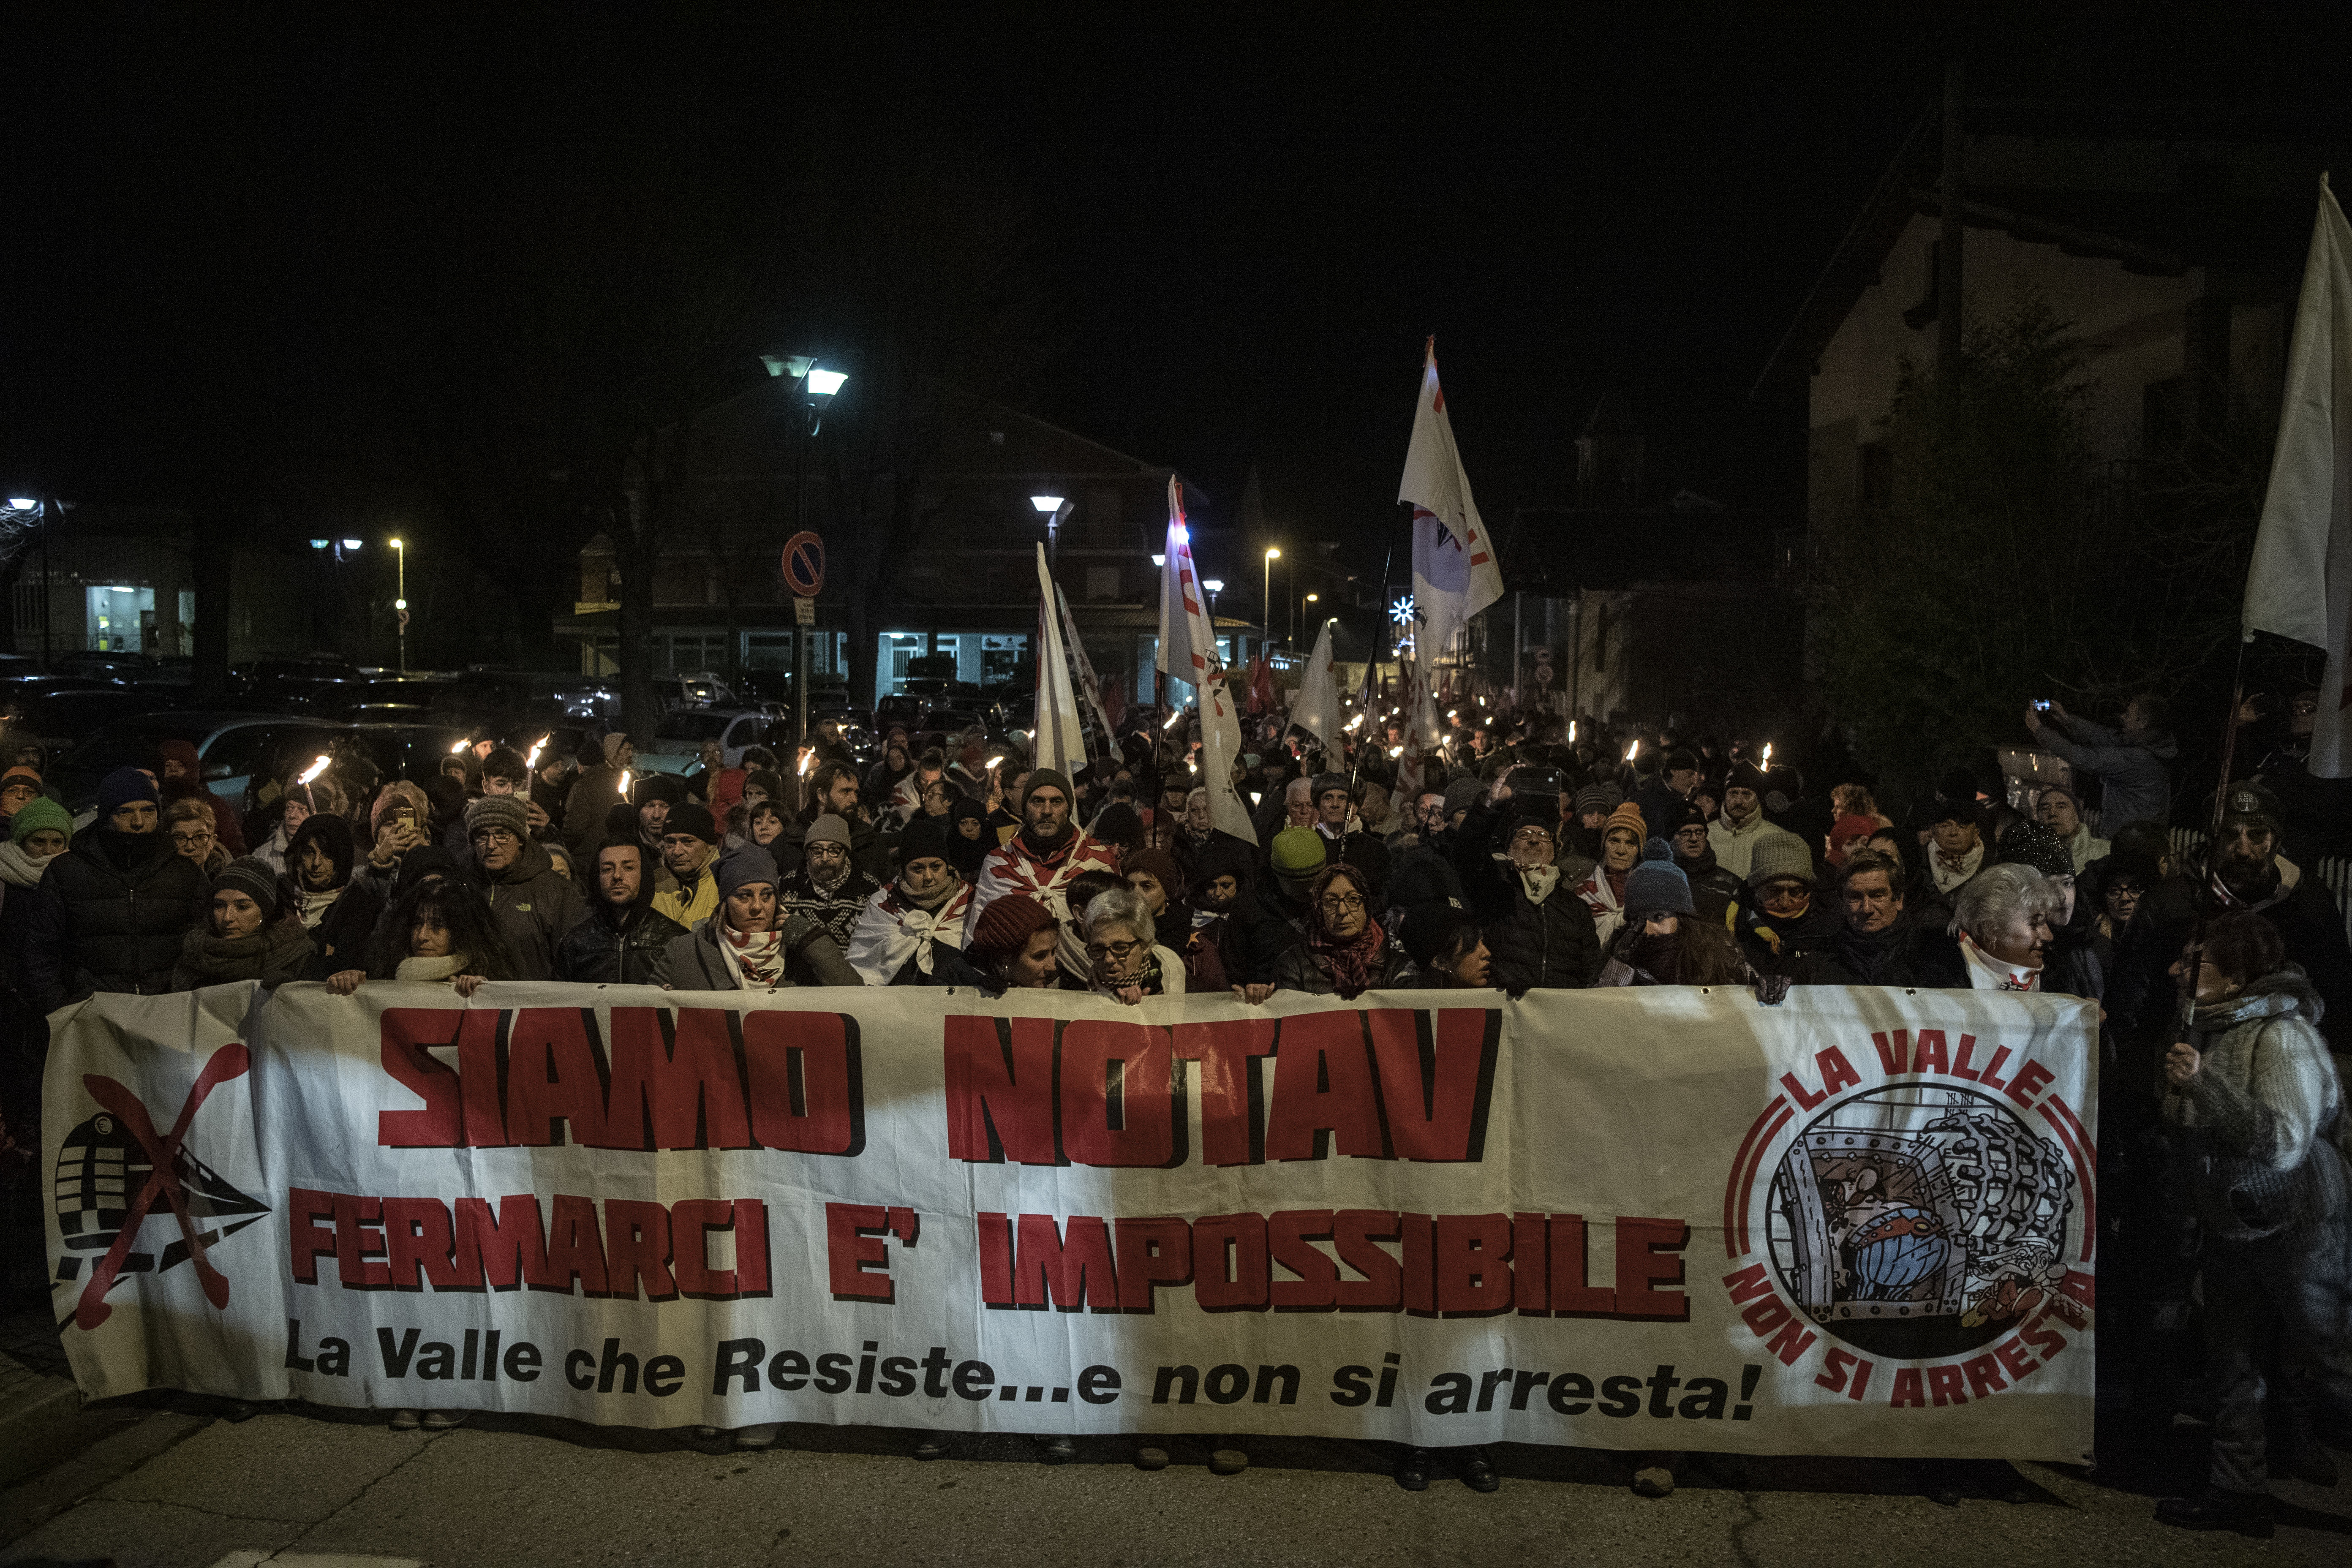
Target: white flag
[(1221, 743), (1089, 690), (1060, 742), (1188, 643), (1455, 573), (1316, 709), (2300, 583)]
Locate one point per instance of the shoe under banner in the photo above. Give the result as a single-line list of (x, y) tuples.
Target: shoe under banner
[(1860, 1222)]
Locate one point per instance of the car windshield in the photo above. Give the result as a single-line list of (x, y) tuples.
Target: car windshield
[(697, 727), (132, 743)]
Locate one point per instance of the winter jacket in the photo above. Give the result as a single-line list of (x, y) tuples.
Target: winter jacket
[(2142, 997), (1843, 956), (112, 913), (596, 792), (1733, 844), (339, 940), (536, 906), (2134, 766), (1298, 970), (20, 895), (273, 955), (2260, 1113), (693, 961), (612, 946), (688, 908), (1552, 943), (1713, 889)]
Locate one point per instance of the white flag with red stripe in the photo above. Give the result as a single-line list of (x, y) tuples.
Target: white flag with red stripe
[(1188, 643), (1221, 743), (1060, 740), (1455, 573)]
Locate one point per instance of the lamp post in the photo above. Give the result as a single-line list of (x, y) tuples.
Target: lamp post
[(1213, 586), (1312, 599), (400, 599), (1265, 601), (1053, 509), (818, 387)]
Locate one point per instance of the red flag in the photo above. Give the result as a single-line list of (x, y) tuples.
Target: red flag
[(1114, 701), (1262, 688)]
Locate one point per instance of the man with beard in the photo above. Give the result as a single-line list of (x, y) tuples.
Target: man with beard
[(112, 911), (1736, 833), (828, 888), (1041, 860), (902, 930), (2245, 872), (621, 942), (1713, 889)]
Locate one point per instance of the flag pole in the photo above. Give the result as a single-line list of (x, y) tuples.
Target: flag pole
[(2205, 899)]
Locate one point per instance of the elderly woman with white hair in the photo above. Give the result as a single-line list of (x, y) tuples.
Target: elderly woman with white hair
[(1999, 938), (1123, 952)]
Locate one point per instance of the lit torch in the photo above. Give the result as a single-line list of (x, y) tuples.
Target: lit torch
[(315, 769), (1767, 758), (532, 762)]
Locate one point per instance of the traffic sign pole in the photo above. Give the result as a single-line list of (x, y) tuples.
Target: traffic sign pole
[(803, 568)]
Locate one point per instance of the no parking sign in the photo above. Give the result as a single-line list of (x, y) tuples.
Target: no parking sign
[(805, 565)]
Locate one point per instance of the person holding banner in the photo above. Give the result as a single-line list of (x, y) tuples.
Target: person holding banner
[(1346, 953), (114, 907), (902, 928), (1123, 952), (742, 947), (439, 930), (1014, 946), (622, 939), (250, 933)]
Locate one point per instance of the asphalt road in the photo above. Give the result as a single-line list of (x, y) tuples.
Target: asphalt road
[(172, 1488)]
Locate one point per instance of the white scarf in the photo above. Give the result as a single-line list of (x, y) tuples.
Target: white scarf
[(1987, 973), (755, 959), (19, 869), (313, 907), (1539, 880), (431, 969), (1947, 877)]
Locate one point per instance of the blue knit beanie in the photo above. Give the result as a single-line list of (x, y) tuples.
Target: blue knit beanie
[(122, 786), (1656, 886)]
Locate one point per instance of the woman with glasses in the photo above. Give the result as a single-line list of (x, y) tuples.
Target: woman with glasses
[(1346, 953), (188, 822), (1124, 957)]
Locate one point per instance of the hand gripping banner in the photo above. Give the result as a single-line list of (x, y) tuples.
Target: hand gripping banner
[(1859, 1222)]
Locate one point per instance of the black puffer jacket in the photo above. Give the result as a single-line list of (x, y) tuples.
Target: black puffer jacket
[(616, 946), (1553, 944), (112, 914)]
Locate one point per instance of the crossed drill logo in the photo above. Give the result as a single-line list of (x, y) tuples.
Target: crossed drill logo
[(100, 1158)]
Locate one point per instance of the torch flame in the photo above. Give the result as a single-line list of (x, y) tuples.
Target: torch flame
[(315, 769)]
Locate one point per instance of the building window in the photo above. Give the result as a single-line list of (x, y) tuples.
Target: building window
[(1001, 657), (767, 651), (115, 618)]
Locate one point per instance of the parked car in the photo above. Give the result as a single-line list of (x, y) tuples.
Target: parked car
[(102, 663), (391, 698), (235, 748), (61, 716), (679, 739), (494, 698)]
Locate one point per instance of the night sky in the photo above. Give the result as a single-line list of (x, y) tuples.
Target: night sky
[(1232, 235)]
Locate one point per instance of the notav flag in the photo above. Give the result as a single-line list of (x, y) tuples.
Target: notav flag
[(1455, 573), (1221, 743), (2300, 583), (1188, 643), (1060, 742)]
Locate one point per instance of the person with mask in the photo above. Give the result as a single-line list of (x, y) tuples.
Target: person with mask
[(620, 940), (534, 903), (1014, 946), (1781, 910), (902, 928), (1539, 932), (115, 907), (1647, 949), (2251, 1095), (750, 944), (249, 933), (337, 911), (1713, 890), (685, 891), (1041, 860)]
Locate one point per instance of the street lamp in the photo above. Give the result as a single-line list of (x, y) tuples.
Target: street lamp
[(1053, 509), (1311, 599), (817, 389), (1265, 600), (400, 600), (1214, 586)]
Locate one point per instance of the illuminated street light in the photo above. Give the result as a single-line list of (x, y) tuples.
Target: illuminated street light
[(400, 601), (1266, 597)]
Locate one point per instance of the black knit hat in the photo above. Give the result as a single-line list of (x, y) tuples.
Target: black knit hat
[(257, 880), (926, 838), (2028, 843), (688, 817)]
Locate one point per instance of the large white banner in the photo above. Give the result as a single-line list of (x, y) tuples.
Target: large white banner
[(1860, 1222)]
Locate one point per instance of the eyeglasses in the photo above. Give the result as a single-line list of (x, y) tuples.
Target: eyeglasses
[(1338, 903), (1122, 951), (190, 840), (495, 836)]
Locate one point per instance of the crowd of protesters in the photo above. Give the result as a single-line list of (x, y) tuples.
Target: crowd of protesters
[(1505, 858)]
